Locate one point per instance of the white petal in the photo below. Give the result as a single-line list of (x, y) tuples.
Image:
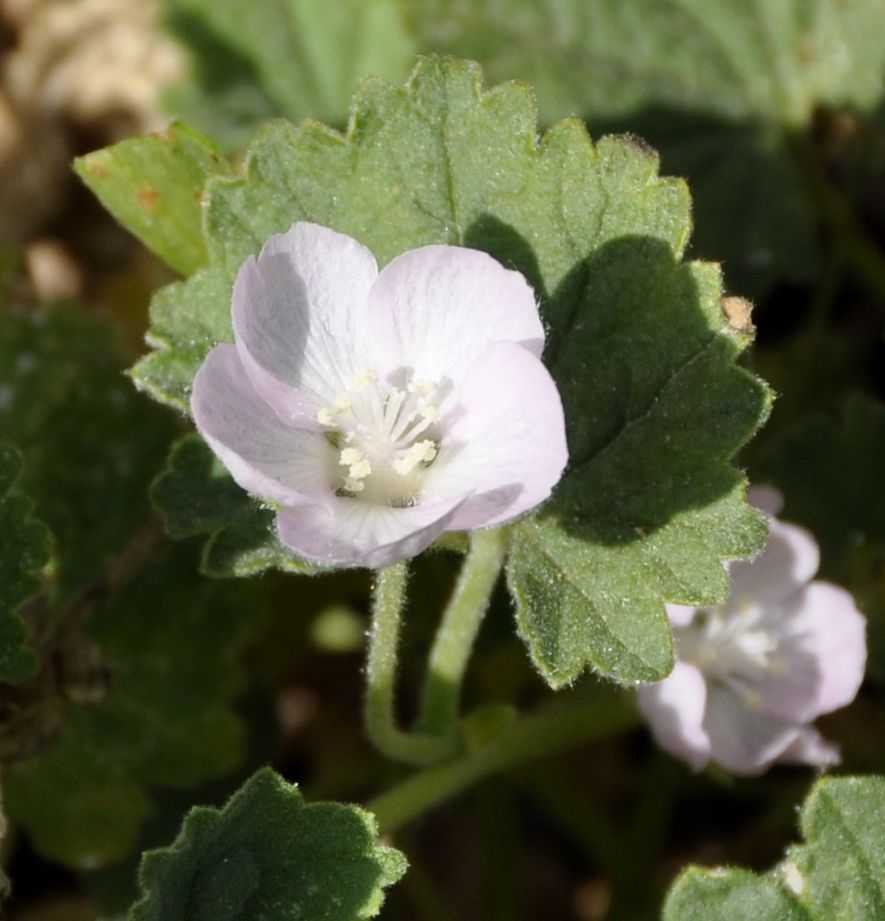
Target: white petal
[(503, 441), (810, 747), (351, 532), (264, 455), (438, 307), (766, 498), (300, 315), (789, 561), (680, 615), (674, 709), (821, 654), (744, 740)]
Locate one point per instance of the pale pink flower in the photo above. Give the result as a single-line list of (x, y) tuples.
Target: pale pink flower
[(754, 673), (376, 410)]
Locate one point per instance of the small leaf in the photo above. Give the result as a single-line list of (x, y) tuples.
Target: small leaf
[(90, 443), (153, 186), (253, 60), (160, 714), (196, 495), (269, 855), (837, 875), (24, 551)]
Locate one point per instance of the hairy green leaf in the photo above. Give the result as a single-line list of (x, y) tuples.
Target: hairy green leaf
[(153, 186), (24, 551), (89, 441), (269, 856), (838, 874), (253, 60), (160, 715), (638, 342)]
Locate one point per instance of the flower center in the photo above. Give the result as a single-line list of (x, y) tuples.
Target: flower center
[(732, 647), (385, 435)]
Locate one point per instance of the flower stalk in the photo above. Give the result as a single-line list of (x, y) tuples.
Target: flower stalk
[(457, 632)]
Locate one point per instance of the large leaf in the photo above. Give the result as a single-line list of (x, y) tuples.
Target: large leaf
[(269, 856), (161, 715), (24, 550), (838, 874), (89, 441), (153, 185), (638, 342), (720, 87), (252, 60)]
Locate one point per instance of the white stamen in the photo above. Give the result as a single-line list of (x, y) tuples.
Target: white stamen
[(350, 456), (429, 412), (325, 416), (341, 402), (421, 387), (362, 379)]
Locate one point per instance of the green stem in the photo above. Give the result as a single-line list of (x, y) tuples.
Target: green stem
[(380, 711), (457, 631), (553, 729)]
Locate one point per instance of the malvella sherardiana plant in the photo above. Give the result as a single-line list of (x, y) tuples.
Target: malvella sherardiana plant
[(751, 675), (376, 410)]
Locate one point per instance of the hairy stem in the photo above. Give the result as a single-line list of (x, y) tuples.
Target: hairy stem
[(553, 729), (381, 666), (457, 631)]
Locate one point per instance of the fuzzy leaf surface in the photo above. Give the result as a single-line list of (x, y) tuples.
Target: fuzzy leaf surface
[(24, 551), (254, 59), (159, 715), (90, 443), (838, 874), (269, 856), (638, 342), (153, 187), (716, 86)]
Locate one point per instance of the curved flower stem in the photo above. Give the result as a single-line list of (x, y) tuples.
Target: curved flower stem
[(553, 729), (379, 712), (457, 631)]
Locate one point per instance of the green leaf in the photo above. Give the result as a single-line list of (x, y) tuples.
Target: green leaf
[(160, 715), (252, 60), (838, 874), (90, 443), (153, 186), (269, 855), (729, 895), (196, 495), (24, 551), (719, 87), (638, 342)]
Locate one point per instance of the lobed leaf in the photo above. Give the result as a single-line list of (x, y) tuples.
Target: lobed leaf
[(838, 874), (269, 856), (638, 342), (24, 551)]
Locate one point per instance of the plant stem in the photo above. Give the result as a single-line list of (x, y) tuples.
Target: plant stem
[(553, 729), (457, 631), (380, 712)]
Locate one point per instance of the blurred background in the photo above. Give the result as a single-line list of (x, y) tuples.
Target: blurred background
[(158, 688)]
